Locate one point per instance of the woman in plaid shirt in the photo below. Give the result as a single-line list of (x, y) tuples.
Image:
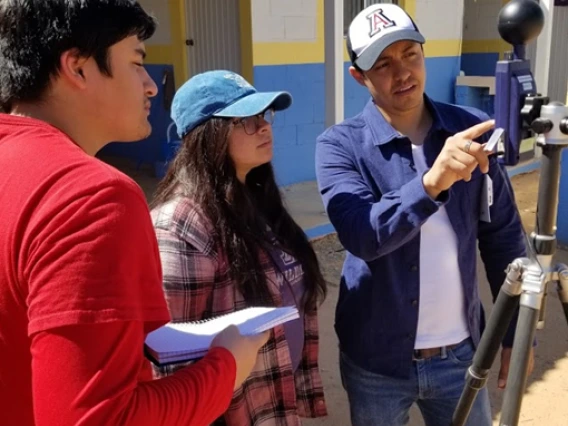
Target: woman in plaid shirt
[(227, 242)]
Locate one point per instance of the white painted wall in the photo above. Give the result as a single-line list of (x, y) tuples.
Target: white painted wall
[(440, 19), (480, 19), (296, 20), (159, 8), (284, 20)]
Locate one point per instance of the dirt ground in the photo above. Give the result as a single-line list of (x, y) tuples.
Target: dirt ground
[(546, 399)]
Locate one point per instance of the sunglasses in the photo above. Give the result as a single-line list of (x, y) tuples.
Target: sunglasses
[(253, 123)]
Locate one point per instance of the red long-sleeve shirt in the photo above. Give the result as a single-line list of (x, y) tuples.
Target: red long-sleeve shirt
[(80, 288), (100, 381)]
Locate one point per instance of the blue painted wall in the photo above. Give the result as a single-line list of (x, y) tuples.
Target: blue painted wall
[(479, 63), (296, 129), (150, 149), (562, 220)]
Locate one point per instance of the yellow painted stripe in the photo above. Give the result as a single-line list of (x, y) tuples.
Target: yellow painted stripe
[(179, 35), (485, 46), (159, 54), (320, 24), (283, 53), (410, 7), (497, 45), (288, 53), (245, 18), (313, 52), (441, 48), (175, 53)]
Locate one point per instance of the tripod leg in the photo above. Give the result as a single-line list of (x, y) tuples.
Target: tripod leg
[(518, 372), (563, 290), (497, 325), (524, 337), (542, 314), (537, 275)]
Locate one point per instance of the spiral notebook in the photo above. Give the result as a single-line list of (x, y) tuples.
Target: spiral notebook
[(186, 341)]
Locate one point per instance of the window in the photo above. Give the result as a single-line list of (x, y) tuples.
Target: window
[(352, 7)]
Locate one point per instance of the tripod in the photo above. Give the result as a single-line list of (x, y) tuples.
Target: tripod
[(527, 279), (525, 285)]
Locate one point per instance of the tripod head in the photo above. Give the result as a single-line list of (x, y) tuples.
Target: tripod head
[(553, 124), (517, 104)]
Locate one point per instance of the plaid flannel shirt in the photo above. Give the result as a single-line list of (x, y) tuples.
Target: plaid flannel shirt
[(197, 286)]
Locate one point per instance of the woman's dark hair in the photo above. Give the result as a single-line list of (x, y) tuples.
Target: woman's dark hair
[(203, 170), (35, 33)]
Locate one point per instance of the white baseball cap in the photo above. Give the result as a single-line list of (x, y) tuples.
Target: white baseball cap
[(374, 29)]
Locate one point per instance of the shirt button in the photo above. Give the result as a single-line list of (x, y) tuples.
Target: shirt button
[(415, 303), (414, 268)]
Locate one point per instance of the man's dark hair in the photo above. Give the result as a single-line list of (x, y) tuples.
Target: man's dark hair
[(35, 33), (352, 54)]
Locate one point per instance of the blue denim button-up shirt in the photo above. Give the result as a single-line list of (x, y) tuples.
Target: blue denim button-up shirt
[(376, 201)]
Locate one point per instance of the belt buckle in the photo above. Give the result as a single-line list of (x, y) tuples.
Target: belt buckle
[(418, 354)]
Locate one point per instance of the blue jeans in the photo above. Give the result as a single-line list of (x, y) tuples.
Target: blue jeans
[(435, 385)]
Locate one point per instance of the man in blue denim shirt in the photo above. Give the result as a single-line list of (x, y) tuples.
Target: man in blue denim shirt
[(403, 183)]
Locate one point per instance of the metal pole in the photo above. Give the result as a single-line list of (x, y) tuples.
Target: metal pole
[(544, 47), (333, 38)]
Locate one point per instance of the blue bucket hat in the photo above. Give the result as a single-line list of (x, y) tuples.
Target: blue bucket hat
[(220, 93)]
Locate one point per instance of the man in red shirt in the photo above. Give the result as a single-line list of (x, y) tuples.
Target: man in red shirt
[(80, 275)]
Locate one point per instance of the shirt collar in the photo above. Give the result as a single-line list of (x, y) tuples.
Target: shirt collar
[(383, 132)]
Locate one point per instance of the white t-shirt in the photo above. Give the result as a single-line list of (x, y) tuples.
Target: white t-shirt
[(441, 316)]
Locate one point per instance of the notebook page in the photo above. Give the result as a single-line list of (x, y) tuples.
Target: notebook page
[(194, 337)]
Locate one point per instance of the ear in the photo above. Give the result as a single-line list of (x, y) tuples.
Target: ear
[(72, 68), (357, 75)]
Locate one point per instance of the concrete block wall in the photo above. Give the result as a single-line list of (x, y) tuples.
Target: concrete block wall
[(160, 10), (482, 44), (282, 32), (284, 20), (480, 19), (296, 129), (440, 19), (288, 52)]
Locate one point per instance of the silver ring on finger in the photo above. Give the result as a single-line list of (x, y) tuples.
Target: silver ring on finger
[(467, 145)]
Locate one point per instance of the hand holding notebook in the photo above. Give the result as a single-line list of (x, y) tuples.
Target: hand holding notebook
[(180, 342), (243, 348)]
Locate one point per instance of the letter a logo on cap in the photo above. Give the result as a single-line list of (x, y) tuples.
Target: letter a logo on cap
[(379, 21)]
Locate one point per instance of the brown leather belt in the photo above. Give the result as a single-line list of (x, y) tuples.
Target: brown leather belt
[(419, 354)]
